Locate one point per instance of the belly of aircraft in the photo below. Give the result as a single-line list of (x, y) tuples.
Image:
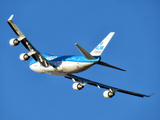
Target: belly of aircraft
[(62, 68), (75, 67)]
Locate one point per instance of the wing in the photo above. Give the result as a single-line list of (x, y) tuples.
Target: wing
[(99, 85), (33, 52)]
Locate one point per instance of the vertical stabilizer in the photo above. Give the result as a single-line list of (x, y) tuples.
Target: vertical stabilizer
[(99, 49)]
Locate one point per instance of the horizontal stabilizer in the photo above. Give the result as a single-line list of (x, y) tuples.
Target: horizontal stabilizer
[(108, 65), (84, 52)]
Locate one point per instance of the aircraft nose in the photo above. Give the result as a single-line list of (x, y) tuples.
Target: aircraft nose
[(36, 67)]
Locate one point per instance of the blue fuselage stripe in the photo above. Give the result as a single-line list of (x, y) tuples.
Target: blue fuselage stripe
[(67, 58)]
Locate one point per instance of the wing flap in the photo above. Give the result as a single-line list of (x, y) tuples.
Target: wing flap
[(83, 80)]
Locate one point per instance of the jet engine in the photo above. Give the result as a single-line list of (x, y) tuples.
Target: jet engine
[(108, 94), (13, 42), (77, 86), (24, 57)]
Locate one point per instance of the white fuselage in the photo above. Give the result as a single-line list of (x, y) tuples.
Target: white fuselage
[(62, 67)]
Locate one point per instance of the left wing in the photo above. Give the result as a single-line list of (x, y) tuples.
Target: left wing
[(84, 81), (33, 52)]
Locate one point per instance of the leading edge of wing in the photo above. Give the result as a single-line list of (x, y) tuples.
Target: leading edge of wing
[(83, 80)]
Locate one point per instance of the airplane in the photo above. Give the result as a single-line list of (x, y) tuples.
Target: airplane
[(68, 65)]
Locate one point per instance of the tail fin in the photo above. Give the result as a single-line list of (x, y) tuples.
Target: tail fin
[(100, 48)]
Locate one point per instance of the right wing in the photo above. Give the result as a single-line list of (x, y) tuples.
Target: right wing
[(33, 52), (99, 85)]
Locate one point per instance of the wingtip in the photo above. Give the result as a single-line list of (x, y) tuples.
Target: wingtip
[(11, 17), (148, 95), (151, 94)]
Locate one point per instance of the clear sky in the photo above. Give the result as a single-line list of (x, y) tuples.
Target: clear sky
[(54, 26)]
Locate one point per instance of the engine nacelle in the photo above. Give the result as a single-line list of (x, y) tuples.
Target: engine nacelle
[(77, 86), (108, 94), (14, 42), (24, 56)]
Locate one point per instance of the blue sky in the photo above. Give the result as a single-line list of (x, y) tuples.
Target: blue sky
[(54, 27)]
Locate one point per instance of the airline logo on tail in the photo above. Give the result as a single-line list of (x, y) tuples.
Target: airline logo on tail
[(100, 48)]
